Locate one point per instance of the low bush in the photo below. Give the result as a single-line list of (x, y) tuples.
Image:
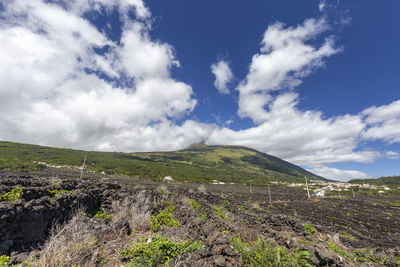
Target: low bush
[(334, 248), (13, 195), (194, 203), (262, 254), (308, 229), (4, 260), (157, 250), (203, 216), (56, 192), (164, 217)]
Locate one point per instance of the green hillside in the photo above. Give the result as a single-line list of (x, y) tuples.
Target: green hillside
[(198, 163), (386, 180)]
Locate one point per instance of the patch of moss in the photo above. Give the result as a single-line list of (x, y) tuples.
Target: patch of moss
[(13, 195)]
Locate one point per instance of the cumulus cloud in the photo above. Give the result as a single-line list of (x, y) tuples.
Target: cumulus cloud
[(303, 138), (223, 76), (337, 174), (383, 122), (284, 59), (50, 91)]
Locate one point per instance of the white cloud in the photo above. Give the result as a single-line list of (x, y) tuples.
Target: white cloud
[(48, 97), (383, 122), (304, 138), (392, 155), (337, 174), (284, 60), (322, 5), (223, 76)]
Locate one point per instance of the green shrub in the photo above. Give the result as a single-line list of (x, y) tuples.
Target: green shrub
[(194, 203), (56, 192), (219, 212), (4, 260), (164, 217), (13, 195), (203, 216), (261, 253), (103, 216), (308, 229), (159, 251), (334, 248)]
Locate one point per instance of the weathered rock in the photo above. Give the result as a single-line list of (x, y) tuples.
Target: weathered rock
[(324, 255), (219, 260)]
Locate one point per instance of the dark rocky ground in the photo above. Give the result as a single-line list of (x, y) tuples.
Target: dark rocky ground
[(360, 231)]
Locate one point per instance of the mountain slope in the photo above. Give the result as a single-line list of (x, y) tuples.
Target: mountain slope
[(198, 163), (386, 180)]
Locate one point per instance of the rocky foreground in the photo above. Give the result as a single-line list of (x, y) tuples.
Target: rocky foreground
[(60, 220)]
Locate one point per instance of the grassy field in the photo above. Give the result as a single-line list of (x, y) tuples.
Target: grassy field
[(198, 163)]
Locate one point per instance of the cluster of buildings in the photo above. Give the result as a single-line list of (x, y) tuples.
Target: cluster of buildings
[(320, 188), (48, 165)]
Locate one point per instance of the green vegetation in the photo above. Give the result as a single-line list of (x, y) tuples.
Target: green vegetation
[(203, 216), (103, 216), (385, 180), (219, 212), (394, 204), (334, 248), (56, 192), (308, 229), (261, 253), (164, 217), (157, 250), (348, 236), (4, 260), (13, 195), (198, 163), (194, 203)]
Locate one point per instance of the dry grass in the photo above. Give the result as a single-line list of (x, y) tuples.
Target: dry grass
[(136, 213), (69, 243), (87, 242), (163, 189), (202, 189)]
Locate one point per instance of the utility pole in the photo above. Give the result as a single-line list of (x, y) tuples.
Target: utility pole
[(83, 166), (352, 190), (269, 193), (308, 191)]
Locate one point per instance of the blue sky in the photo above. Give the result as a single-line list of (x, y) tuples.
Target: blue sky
[(313, 82)]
